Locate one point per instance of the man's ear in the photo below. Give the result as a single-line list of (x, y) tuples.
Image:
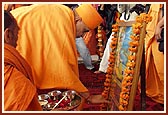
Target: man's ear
[(77, 17), (7, 35)]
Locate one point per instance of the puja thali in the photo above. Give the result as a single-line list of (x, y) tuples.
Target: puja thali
[(59, 101)]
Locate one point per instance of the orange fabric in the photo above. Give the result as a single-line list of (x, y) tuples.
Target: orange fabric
[(87, 12), (91, 42), (18, 88), (10, 7), (47, 41), (154, 59)]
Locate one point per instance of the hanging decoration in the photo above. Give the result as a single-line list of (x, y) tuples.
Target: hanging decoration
[(100, 36), (129, 71), (110, 82)]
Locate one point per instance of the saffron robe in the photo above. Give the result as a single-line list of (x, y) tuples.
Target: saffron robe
[(19, 91), (47, 41), (154, 59), (91, 41)]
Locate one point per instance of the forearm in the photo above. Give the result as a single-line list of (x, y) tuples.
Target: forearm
[(161, 22)]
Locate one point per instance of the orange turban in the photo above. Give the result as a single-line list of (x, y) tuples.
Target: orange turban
[(89, 15)]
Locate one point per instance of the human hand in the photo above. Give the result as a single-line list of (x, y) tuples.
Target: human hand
[(158, 32)]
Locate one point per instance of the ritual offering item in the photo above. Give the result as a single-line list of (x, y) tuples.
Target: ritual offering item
[(59, 101)]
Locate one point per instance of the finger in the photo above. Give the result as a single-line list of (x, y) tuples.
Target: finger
[(159, 36)]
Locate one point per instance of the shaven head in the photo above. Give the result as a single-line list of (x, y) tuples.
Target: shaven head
[(10, 29)]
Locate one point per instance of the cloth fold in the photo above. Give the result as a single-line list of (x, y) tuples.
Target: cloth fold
[(47, 41), (154, 59), (19, 90)]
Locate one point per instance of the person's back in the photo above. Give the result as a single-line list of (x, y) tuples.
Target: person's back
[(44, 44), (47, 41), (19, 90)]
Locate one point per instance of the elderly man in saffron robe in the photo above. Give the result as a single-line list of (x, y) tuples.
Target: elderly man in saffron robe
[(19, 91), (47, 41)]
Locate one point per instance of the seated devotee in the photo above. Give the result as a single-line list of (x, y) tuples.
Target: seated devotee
[(47, 41), (20, 93), (126, 15)]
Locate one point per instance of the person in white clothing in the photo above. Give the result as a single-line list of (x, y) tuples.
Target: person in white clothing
[(128, 13), (84, 53)]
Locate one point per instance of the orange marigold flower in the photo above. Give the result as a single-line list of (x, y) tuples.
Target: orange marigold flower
[(101, 54), (112, 57), (106, 88), (134, 43), (115, 30), (107, 84), (100, 44), (108, 80), (136, 38), (124, 83), (137, 25), (114, 35), (111, 60), (115, 39), (139, 19), (136, 31), (131, 57), (108, 76), (128, 71), (128, 84), (133, 49), (125, 89), (110, 68), (115, 26), (121, 108), (112, 53), (113, 47), (130, 64), (128, 78), (101, 49), (125, 103), (113, 42), (105, 95), (111, 64), (99, 35)]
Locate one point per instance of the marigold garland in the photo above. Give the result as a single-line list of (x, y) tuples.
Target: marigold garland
[(100, 38), (129, 71), (110, 82)]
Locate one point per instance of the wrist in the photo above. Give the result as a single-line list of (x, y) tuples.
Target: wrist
[(86, 96), (89, 99)]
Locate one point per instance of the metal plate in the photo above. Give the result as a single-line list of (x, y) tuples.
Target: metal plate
[(72, 104)]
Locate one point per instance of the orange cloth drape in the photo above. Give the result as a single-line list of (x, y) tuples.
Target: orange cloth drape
[(10, 7), (154, 59), (47, 41), (91, 41), (19, 91)]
